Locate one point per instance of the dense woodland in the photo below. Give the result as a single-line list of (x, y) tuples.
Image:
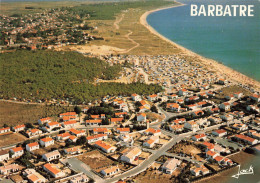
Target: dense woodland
[(42, 75), (107, 11)]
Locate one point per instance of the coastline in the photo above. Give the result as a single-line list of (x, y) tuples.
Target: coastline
[(212, 65)]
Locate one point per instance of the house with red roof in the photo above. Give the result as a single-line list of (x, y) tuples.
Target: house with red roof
[(152, 97), (33, 132), (94, 138), (123, 130), (150, 142), (18, 128), (53, 170), (152, 131), (4, 155), (68, 114), (44, 120), (16, 152), (246, 139), (45, 142), (225, 106), (191, 125), (94, 122), (77, 133), (104, 146), (211, 154), (136, 97), (219, 132), (63, 136), (198, 137), (173, 107), (102, 131), (4, 130), (141, 117), (69, 124), (255, 97), (116, 120), (32, 146)]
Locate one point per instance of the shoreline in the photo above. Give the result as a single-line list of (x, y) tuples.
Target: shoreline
[(222, 70)]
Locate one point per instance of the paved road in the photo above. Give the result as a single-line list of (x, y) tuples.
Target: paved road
[(79, 166)]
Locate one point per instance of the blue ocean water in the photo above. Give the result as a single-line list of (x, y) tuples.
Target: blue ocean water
[(233, 41)]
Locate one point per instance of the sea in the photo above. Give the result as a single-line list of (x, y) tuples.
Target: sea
[(233, 41)]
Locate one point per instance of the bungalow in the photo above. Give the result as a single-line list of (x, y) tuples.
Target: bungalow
[(124, 137), (253, 108), (193, 98), (53, 125), (209, 146), (141, 117), (192, 106), (72, 150), (151, 142), (199, 137), (183, 92), (95, 138), (222, 81), (123, 130), (45, 142), (4, 130), (18, 128), (152, 97), (77, 133), (215, 119), (170, 165), (210, 94), (179, 121), (180, 101), (230, 97), (94, 116), (173, 107), (68, 118), (44, 120), (68, 114), (176, 128), (227, 117), (72, 138), (136, 97), (33, 132), (63, 136), (152, 131), (51, 156), (239, 126), (219, 133), (120, 114), (145, 104), (225, 106), (199, 169), (219, 159), (33, 176), (110, 171), (78, 178), (211, 154), (227, 161), (116, 120), (246, 139), (238, 95), (32, 146), (197, 113), (254, 134), (203, 95), (255, 97), (53, 170), (4, 155), (191, 125), (85, 109), (93, 122), (12, 168), (130, 154), (104, 146), (16, 152), (69, 124), (102, 131)]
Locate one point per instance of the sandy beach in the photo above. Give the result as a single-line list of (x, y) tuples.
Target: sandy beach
[(222, 70)]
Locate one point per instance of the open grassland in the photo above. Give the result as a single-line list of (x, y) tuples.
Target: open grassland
[(14, 114), (11, 138)]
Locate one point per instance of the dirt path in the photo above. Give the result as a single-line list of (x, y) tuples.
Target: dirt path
[(133, 41), (118, 20)]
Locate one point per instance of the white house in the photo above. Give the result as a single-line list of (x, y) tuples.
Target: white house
[(97, 137), (51, 155), (219, 133), (104, 146), (32, 146), (16, 152), (18, 128), (130, 154), (4, 155), (199, 137), (45, 142), (110, 171), (141, 117), (136, 97), (151, 142), (53, 170), (225, 106), (33, 176), (191, 125), (170, 165)]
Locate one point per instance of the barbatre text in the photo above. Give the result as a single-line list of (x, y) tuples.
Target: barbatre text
[(222, 10)]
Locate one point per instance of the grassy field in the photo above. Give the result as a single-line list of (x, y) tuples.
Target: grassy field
[(14, 114), (11, 138)]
